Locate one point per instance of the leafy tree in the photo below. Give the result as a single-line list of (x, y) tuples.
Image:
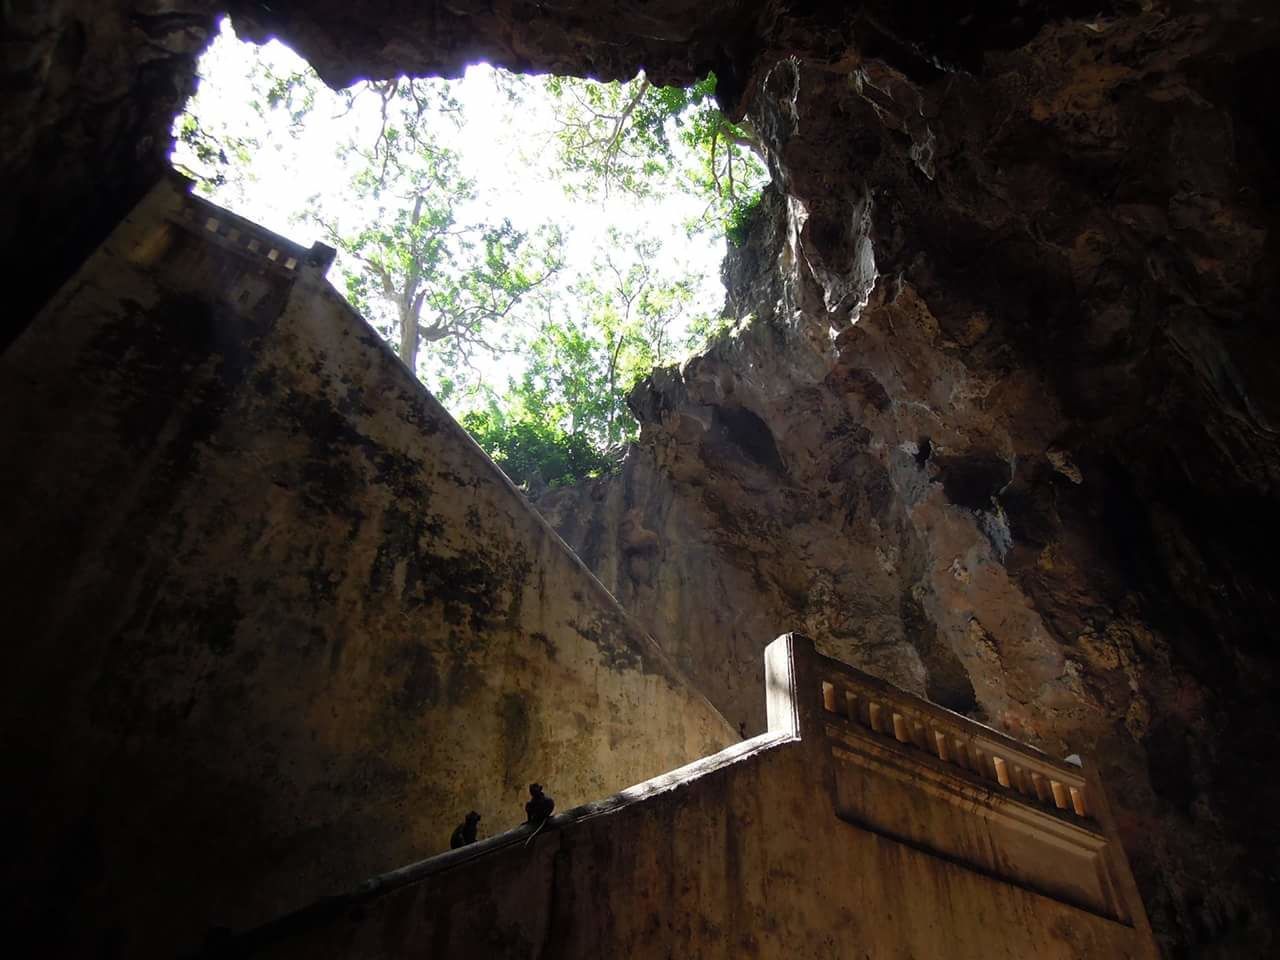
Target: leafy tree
[(566, 418), (640, 138), (740, 218), (453, 288), (217, 158), (532, 451), (407, 107), (419, 273), (213, 156), (292, 92), (629, 314), (705, 330)]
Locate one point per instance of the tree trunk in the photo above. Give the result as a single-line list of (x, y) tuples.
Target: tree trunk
[(613, 379), (409, 339)]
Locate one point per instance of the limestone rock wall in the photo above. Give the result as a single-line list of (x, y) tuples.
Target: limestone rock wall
[(90, 92), (1000, 427), (276, 622)]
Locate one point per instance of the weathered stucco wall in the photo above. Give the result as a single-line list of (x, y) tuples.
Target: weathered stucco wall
[(280, 623), (751, 854)]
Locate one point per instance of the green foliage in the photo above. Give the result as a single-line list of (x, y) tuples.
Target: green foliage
[(292, 93), (741, 214), (643, 139), (421, 276), (471, 300), (216, 156), (533, 452), (565, 418), (706, 330)]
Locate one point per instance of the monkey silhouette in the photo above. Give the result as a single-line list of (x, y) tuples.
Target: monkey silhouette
[(466, 831), (537, 810)]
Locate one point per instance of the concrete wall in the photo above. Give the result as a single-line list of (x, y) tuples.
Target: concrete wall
[(747, 854), (275, 623)]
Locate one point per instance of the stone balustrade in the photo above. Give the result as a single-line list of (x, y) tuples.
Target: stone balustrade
[(226, 229), (925, 776), (864, 822), (977, 750)]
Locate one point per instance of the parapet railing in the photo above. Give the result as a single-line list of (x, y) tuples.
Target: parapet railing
[(934, 780), (998, 761), (248, 238), (826, 702)]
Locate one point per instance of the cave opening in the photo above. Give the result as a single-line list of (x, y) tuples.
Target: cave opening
[(531, 246)]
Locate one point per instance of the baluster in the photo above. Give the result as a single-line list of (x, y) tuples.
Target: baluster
[(1002, 771), (940, 746), (1061, 799), (829, 702), (873, 714), (1077, 802), (1041, 787)]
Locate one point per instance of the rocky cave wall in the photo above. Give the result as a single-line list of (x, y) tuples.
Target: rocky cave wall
[(282, 622), (89, 94), (997, 424), (1036, 479)]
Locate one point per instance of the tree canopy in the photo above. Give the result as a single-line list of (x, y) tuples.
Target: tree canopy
[(565, 417), (423, 276), (533, 339), (640, 138)]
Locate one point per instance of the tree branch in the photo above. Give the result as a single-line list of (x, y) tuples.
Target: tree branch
[(715, 176), (612, 147), (748, 138)]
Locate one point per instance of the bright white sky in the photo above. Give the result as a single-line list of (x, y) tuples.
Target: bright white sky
[(508, 155)]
